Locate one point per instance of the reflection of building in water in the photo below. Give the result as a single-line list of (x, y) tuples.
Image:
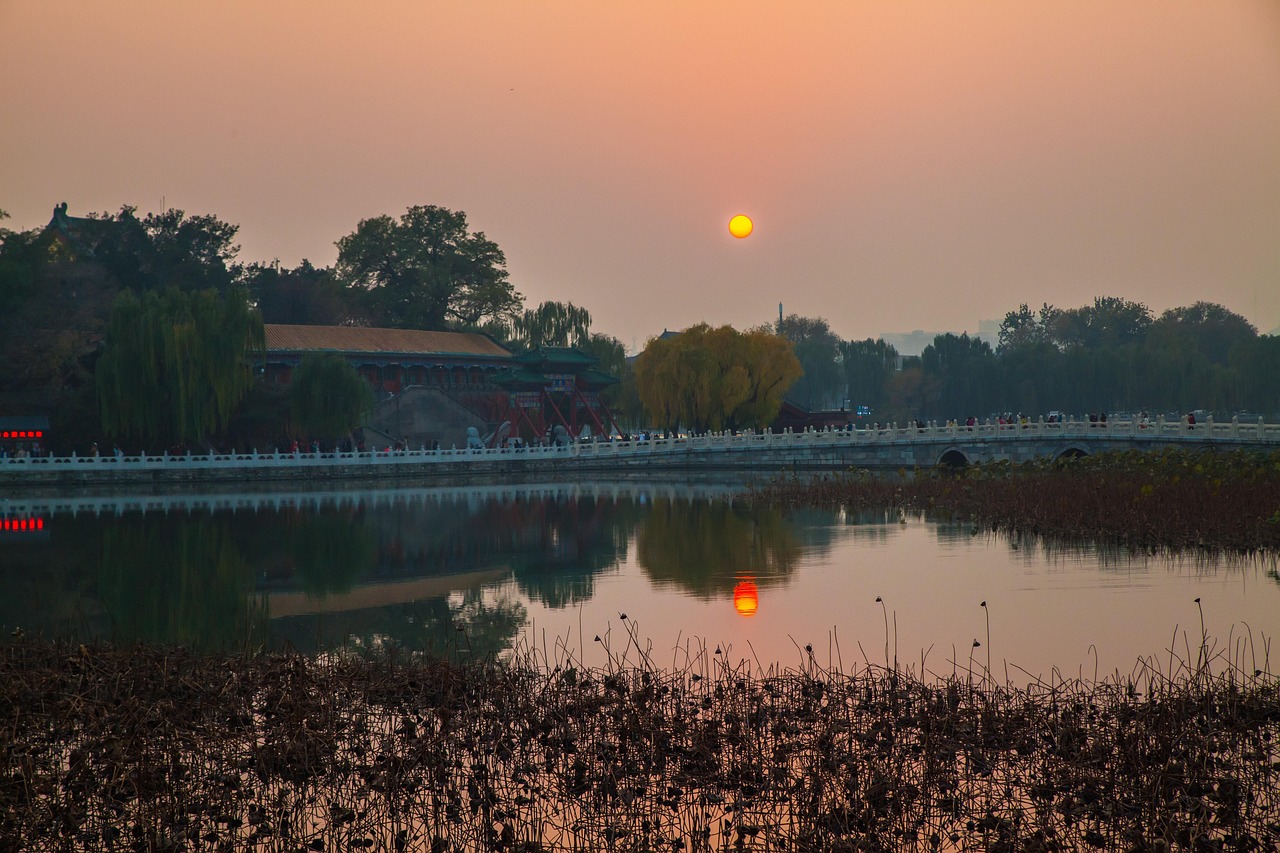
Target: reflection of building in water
[(284, 604), (22, 528), (456, 614)]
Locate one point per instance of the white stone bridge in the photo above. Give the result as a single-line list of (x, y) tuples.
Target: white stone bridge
[(887, 448)]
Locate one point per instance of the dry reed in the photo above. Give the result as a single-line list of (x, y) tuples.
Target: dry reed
[(1143, 501), (149, 748)]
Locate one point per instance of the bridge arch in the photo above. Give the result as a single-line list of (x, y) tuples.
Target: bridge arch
[(1071, 451), (952, 458)]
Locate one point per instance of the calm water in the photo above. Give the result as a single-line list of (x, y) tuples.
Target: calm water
[(483, 570)]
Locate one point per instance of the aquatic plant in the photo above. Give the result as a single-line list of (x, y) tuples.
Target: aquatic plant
[(1144, 501), (152, 748)]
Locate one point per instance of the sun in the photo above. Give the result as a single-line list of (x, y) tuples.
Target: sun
[(740, 226)]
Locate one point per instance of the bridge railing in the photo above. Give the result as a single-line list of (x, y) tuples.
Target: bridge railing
[(1167, 431)]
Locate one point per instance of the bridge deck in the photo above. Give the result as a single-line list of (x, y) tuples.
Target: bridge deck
[(889, 447)]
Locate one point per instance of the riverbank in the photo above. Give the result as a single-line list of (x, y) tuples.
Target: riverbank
[(1174, 499), (160, 749)]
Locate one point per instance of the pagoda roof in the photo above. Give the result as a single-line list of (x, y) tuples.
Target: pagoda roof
[(81, 233), (373, 341), (518, 378), (596, 378), (570, 357)]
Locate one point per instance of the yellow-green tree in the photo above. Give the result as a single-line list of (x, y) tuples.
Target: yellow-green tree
[(716, 378)]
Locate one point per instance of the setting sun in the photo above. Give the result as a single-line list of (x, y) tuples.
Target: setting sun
[(740, 226)]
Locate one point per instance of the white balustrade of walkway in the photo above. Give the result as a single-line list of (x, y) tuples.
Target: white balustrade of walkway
[(890, 446)]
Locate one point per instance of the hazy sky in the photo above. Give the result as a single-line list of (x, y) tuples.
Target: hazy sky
[(908, 165)]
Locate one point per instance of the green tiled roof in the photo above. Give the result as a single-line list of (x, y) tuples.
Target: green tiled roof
[(596, 378), (520, 379), (544, 358)]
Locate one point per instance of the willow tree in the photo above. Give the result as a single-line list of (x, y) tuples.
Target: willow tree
[(327, 397), (176, 365), (716, 378), (551, 324)]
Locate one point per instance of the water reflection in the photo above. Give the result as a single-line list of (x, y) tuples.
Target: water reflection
[(177, 580), (746, 597), (706, 547), (419, 569), (471, 571)]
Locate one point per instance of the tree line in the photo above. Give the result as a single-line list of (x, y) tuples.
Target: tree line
[(145, 328), (1113, 355)]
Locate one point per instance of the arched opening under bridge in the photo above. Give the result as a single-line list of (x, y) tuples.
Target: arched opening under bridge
[(1073, 451), (953, 459)]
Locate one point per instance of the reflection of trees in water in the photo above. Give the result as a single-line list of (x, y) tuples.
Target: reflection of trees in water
[(330, 553), (171, 579), (466, 625), (574, 540), (704, 546), (871, 525), (48, 588), (553, 544)]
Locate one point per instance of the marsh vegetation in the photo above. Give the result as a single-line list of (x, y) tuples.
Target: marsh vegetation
[(1170, 501), (150, 748)]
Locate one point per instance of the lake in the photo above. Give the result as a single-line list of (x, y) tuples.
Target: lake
[(684, 575)]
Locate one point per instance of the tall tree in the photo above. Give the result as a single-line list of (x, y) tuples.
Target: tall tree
[(1109, 322), (868, 365), (305, 295), (1024, 327), (716, 378), (965, 371), (818, 350), (176, 365), (1204, 327), (427, 271), (327, 397), (1257, 362), (771, 368), (551, 324), (163, 250)]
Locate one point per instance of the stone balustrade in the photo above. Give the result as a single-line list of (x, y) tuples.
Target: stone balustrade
[(891, 446)]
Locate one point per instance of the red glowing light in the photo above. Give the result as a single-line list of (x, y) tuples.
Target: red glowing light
[(746, 598)]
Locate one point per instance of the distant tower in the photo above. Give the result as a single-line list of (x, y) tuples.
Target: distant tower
[(779, 318)]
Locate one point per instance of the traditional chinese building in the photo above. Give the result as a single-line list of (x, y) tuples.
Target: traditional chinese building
[(391, 360), (433, 386), (556, 386), (23, 434), (77, 237)]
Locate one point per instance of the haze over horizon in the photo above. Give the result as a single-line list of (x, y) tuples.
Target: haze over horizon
[(907, 165)]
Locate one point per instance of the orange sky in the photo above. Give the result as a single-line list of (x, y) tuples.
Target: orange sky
[(908, 165)]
